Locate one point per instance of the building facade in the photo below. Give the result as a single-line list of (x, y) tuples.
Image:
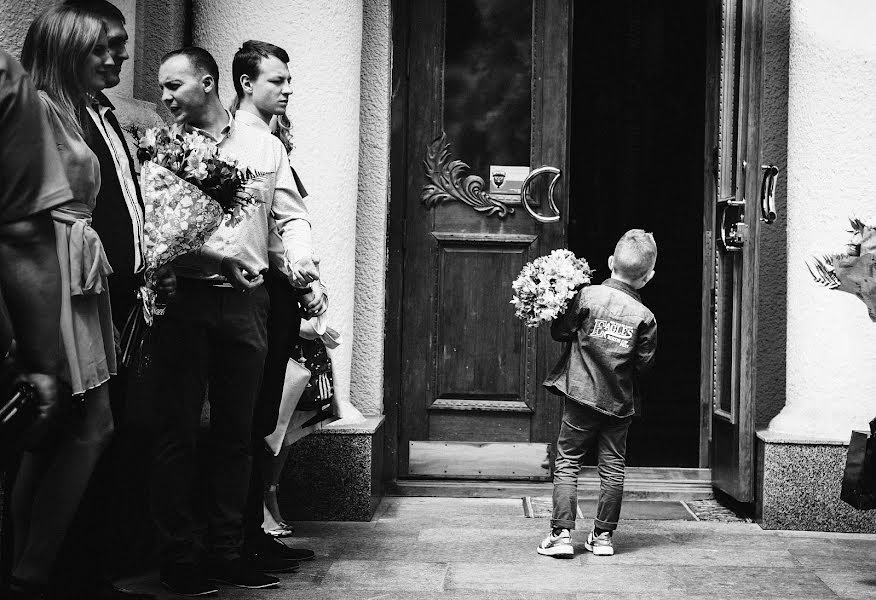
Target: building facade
[(653, 115)]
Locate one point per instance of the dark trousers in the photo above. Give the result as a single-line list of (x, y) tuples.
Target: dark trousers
[(214, 336), (283, 326), (582, 429)]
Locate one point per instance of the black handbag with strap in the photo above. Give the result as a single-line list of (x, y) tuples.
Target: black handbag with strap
[(859, 478), (318, 393)]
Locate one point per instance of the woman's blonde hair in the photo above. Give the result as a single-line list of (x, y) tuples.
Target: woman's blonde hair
[(55, 50)]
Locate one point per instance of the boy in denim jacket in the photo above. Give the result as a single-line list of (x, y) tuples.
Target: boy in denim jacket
[(612, 338)]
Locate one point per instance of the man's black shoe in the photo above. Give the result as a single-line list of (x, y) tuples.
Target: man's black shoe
[(187, 580), (268, 563), (239, 573), (267, 545)]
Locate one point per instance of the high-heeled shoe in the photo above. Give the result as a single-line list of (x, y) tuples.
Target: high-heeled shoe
[(274, 524)]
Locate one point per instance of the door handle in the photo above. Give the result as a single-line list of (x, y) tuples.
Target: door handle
[(734, 231), (524, 194), (768, 193)]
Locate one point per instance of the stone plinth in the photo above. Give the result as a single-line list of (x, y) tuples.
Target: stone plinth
[(801, 482), (334, 474)]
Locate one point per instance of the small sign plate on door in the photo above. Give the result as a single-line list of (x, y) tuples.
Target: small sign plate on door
[(507, 180)]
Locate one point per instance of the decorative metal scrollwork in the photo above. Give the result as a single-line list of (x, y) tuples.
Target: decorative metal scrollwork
[(447, 179)]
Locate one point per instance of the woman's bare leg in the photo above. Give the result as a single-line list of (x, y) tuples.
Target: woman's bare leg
[(56, 494), (272, 469)]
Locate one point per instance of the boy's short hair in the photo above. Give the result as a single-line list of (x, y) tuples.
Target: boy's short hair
[(247, 60), (200, 59), (99, 8), (635, 254)]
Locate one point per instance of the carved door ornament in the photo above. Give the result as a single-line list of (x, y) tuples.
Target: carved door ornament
[(447, 179)]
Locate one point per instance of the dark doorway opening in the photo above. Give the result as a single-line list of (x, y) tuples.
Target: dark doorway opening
[(638, 110)]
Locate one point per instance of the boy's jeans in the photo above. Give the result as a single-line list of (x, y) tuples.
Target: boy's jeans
[(582, 428)]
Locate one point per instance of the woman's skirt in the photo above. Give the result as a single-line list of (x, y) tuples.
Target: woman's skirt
[(86, 317)]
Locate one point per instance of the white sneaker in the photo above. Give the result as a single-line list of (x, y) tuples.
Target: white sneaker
[(558, 546), (599, 545)]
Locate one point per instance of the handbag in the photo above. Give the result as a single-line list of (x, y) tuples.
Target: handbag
[(859, 478)]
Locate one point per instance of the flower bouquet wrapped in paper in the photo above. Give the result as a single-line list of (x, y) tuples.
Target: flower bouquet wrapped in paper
[(189, 186), (853, 270), (546, 285)]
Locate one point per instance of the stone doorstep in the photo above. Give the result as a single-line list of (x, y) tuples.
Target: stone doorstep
[(799, 486)]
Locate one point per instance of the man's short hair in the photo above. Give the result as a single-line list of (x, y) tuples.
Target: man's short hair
[(635, 254), (248, 59), (100, 9), (200, 59)]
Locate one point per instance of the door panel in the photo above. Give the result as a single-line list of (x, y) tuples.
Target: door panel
[(734, 183), (470, 370)]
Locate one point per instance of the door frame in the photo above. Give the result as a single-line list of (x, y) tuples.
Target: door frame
[(396, 233)]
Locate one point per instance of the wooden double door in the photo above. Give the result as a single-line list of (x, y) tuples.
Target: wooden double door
[(482, 96)]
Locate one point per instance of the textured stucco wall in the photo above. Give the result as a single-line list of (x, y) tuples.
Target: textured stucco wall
[(324, 42), (369, 311), (773, 264), (831, 354), (15, 18)]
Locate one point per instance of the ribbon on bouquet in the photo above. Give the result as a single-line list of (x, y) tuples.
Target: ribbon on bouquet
[(318, 328)]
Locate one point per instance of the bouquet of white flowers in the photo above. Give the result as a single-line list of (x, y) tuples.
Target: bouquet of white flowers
[(546, 285)]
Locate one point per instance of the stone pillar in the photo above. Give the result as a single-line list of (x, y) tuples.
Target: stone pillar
[(324, 42), (831, 342), (371, 217), (162, 26)]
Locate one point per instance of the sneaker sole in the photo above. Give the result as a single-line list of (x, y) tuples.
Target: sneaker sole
[(213, 592), (556, 552), (599, 550)]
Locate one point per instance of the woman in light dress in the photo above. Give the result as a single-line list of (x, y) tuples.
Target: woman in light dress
[(66, 53)]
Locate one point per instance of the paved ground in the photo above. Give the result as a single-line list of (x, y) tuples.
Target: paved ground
[(484, 549)]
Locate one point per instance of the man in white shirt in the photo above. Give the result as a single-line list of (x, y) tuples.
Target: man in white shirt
[(263, 86), (214, 332)]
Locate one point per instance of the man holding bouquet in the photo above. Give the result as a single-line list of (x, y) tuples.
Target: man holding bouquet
[(214, 333)]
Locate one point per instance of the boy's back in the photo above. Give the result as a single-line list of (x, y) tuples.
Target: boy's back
[(613, 338)]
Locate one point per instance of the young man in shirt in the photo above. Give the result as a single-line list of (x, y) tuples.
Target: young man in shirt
[(263, 86), (214, 332)]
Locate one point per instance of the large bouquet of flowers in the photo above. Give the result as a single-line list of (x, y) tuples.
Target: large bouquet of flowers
[(852, 269), (189, 186), (546, 285)]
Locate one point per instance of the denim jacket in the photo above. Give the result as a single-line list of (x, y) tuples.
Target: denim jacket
[(611, 339)]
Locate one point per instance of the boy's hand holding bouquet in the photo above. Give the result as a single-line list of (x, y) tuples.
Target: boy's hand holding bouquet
[(546, 285)]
